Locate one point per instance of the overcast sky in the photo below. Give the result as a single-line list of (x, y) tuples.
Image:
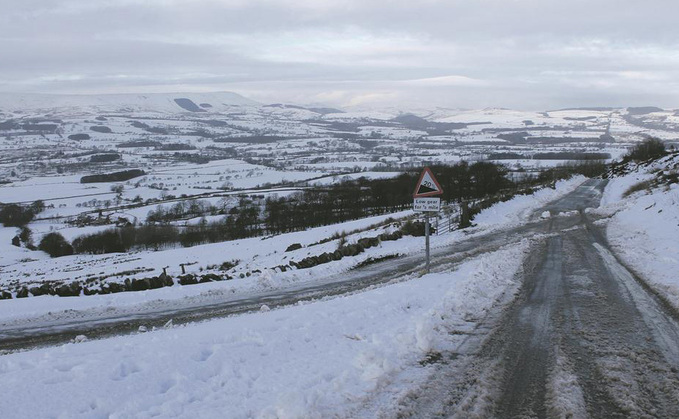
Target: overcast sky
[(525, 54)]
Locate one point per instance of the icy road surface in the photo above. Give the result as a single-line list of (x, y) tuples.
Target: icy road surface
[(584, 339)]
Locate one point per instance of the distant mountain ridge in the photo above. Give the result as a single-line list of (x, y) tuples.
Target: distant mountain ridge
[(154, 102), (318, 110)]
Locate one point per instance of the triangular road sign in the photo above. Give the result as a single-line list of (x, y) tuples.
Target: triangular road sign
[(427, 185)]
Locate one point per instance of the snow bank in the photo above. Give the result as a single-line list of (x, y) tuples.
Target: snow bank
[(644, 227), (518, 209), (613, 194), (311, 360), (645, 235)]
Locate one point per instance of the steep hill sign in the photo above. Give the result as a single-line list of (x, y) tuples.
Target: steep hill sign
[(423, 201), (427, 185)]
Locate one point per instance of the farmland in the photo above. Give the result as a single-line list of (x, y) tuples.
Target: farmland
[(98, 163)]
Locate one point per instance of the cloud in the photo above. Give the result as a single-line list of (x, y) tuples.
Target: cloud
[(299, 46), (452, 80), (518, 53)]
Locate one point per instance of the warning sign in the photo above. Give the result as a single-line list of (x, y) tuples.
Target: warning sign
[(427, 204), (427, 185)]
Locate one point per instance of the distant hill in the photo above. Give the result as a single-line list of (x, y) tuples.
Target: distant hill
[(644, 110), (320, 110), (593, 109), (433, 128), (153, 102)]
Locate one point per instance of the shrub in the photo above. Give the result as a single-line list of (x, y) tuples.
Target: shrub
[(105, 158), (55, 245), (293, 246), (414, 228), (650, 148), (102, 129), (38, 206), (113, 177), (108, 241), (589, 168), (228, 265), (25, 235), (13, 215)]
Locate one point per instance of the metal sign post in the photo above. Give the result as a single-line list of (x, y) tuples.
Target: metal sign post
[(426, 234), (426, 188)]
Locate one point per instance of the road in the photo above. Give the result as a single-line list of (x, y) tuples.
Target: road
[(584, 338)]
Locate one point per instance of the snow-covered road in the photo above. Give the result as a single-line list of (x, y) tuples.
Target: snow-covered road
[(584, 339)]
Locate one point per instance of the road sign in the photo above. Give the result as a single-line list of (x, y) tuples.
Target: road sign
[(427, 204), (427, 185)]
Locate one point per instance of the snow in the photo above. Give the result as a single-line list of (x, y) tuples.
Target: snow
[(311, 360), (564, 394), (644, 227), (353, 176), (644, 235), (520, 208), (613, 194), (315, 359)]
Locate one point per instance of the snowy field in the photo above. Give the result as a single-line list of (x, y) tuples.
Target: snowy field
[(150, 131)]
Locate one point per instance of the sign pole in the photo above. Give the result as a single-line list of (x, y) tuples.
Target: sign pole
[(426, 233), (425, 191)]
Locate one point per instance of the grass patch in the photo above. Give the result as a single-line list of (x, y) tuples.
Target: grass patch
[(641, 186)]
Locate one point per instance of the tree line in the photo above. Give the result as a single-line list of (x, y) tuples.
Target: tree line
[(14, 215), (344, 201), (242, 221)]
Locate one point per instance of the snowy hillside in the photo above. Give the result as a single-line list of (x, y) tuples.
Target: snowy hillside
[(147, 102), (644, 226)]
